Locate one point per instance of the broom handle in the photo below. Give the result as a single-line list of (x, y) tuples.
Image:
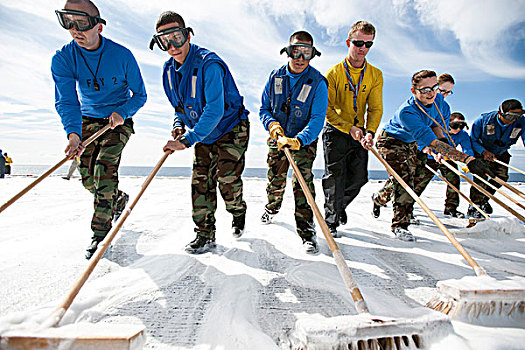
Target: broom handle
[(477, 269), (485, 192), (508, 186), (509, 166), (103, 246), (50, 171), (345, 272), (458, 191), (498, 190)]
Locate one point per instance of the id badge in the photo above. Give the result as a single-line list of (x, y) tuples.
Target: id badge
[(515, 133), (278, 86), (491, 129)]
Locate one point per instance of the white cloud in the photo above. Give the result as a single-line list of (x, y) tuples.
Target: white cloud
[(459, 36), (482, 29)]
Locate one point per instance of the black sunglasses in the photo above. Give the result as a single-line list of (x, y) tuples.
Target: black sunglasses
[(360, 43), (458, 125), (445, 92)]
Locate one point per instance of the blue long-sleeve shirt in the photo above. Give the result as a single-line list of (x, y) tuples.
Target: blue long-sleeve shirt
[(410, 124), (213, 110), (462, 138), (122, 89), (489, 134), (317, 112), (204, 94)]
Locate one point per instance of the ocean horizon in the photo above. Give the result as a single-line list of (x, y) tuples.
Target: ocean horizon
[(35, 170)]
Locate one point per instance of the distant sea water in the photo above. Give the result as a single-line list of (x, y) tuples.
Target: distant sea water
[(35, 170)]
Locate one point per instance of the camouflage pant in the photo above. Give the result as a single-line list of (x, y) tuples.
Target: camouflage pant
[(99, 169), (277, 172), (221, 162), (402, 157), (423, 177), (499, 170)]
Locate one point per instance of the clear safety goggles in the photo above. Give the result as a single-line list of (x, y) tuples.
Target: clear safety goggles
[(176, 36), (428, 89), (82, 21), (306, 51), (511, 116)]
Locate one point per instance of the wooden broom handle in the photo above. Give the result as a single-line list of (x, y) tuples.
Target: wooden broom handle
[(508, 186), (459, 192), (343, 268), (498, 190), (485, 192), (509, 166), (50, 171), (477, 269), (103, 246)]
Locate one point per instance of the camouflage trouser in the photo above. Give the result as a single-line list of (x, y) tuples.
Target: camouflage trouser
[(423, 177), (99, 169), (345, 172), (402, 157), (221, 162), (384, 195), (277, 171), (499, 170)]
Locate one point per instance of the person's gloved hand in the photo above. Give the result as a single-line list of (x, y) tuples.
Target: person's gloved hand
[(177, 132), (293, 143), (476, 166), (275, 130), (488, 155)]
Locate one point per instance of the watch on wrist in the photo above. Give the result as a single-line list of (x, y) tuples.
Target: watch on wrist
[(185, 142)]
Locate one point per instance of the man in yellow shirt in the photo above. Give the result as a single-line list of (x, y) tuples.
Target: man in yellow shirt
[(355, 108), (8, 162)]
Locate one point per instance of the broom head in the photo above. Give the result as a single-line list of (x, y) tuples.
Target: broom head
[(76, 336), (365, 331), (482, 300)]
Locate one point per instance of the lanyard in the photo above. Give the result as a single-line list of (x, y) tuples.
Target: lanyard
[(95, 82), (441, 115), (355, 89)]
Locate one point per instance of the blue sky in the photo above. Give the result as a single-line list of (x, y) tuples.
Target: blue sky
[(481, 43)]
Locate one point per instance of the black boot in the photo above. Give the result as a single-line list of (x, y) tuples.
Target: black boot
[(453, 213), (238, 225), (93, 246), (200, 245), (120, 205), (376, 209), (473, 213), (343, 219), (486, 207), (310, 245)]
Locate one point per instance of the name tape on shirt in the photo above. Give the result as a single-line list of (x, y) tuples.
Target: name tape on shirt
[(305, 91), (278, 86)]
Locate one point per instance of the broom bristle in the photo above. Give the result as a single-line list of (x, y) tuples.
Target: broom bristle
[(502, 312)]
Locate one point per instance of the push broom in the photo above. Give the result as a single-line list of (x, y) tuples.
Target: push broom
[(51, 170), (80, 336), (501, 182), (485, 192), (459, 192), (471, 298), (498, 191), (363, 331)]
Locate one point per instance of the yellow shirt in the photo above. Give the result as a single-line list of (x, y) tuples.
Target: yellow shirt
[(8, 161), (340, 113)]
